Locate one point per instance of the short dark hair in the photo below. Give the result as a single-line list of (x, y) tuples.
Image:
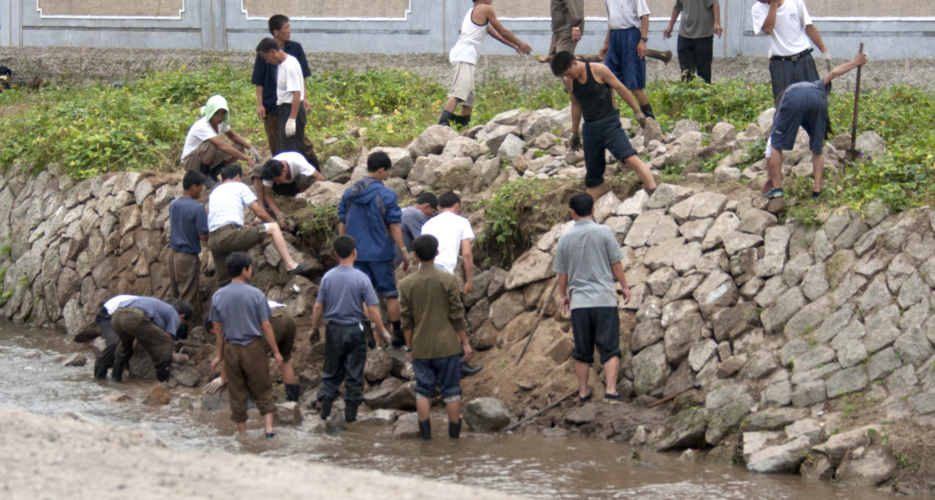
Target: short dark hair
[(344, 246), (231, 171), (276, 22), (582, 204), (426, 247), (182, 307), (266, 45), (237, 262), (272, 169), (192, 178), (427, 197), (379, 160), (561, 62), (448, 200)]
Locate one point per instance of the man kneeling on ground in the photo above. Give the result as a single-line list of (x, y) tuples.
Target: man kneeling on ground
[(206, 152), (154, 324), (436, 335), (286, 174), (241, 316)]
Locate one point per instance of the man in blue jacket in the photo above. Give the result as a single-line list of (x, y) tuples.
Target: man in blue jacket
[(370, 213)]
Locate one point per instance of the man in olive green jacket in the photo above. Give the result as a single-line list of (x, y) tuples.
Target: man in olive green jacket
[(567, 26)]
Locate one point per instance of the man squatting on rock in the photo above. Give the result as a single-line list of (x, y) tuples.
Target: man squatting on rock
[(701, 20), (204, 150), (241, 316), (591, 86), (453, 233), (188, 224), (286, 174), (803, 104), (370, 214), (343, 293), (154, 324), (436, 336), (479, 21), (587, 260), (226, 225)]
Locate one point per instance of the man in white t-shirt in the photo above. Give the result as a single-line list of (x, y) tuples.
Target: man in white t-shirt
[(790, 28), (205, 151), (226, 231), (286, 174), (290, 96), (454, 234)]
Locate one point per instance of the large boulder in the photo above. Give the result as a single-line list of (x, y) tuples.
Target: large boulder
[(432, 141), (324, 194), (487, 415), (402, 161), (784, 458), (532, 266)]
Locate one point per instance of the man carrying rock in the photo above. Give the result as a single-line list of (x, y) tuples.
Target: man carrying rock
[(701, 20), (624, 50), (343, 293), (454, 234), (286, 174), (205, 151), (591, 87), (587, 261), (105, 360), (154, 324), (803, 104), (370, 214), (265, 78), (436, 336), (567, 26), (188, 223), (413, 218), (790, 53), (226, 225), (478, 22), (241, 316)]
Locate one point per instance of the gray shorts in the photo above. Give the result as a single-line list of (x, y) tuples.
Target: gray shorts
[(462, 86)]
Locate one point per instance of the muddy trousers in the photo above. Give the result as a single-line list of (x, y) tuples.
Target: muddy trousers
[(345, 357), (247, 370), (131, 323), (105, 360), (184, 269)]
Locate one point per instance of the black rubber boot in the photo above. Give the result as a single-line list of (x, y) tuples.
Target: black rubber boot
[(447, 117), (326, 408), (292, 392), (463, 120), (454, 430), (117, 374), (467, 371), (647, 110), (425, 429), (100, 371), (350, 412)]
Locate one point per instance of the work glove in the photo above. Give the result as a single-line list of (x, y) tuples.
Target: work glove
[(290, 127), (575, 143), (214, 386), (255, 154), (826, 56), (640, 118)]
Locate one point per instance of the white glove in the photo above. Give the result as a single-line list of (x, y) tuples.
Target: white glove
[(290, 127), (826, 56), (214, 386), (255, 154)]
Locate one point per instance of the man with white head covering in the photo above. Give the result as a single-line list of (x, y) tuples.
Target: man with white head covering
[(205, 151)]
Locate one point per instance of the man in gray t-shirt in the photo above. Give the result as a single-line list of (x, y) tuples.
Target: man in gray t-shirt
[(701, 20), (240, 315), (587, 261)]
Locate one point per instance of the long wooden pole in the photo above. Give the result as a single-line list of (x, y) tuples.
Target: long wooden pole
[(540, 412), (541, 311), (853, 151)]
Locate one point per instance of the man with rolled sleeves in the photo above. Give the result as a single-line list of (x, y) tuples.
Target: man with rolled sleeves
[(188, 223), (154, 324)]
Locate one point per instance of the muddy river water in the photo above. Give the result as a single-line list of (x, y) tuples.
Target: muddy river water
[(527, 465)]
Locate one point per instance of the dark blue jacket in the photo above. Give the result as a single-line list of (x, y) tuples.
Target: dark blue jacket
[(265, 74), (367, 209)]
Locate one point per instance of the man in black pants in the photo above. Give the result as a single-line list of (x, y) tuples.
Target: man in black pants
[(591, 87), (701, 20), (290, 97), (790, 53)]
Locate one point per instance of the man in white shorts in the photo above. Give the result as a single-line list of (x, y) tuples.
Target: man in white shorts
[(286, 174), (479, 21)]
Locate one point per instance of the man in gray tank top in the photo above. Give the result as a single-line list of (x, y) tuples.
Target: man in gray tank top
[(591, 87)]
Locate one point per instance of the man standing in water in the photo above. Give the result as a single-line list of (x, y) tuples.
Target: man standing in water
[(154, 324), (587, 261), (591, 87)]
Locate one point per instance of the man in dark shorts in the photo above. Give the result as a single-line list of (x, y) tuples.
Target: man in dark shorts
[(803, 104), (154, 324), (591, 87), (241, 315), (624, 50), (436, 336), (701, 20), (587, 261), (189, 228), (370, 214), (341, 298)]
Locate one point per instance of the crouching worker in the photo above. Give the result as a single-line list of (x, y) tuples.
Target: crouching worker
[(154, 324), (802, 104), (341, 298), (241, 317), (436, 334), (286, 174), (105, 360), (206, 152)]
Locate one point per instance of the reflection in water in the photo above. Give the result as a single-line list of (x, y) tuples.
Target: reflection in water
[(527, 465)]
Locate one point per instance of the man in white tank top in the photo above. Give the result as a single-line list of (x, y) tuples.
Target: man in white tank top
[(479, 21)]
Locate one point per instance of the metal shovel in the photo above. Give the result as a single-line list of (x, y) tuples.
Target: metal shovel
[(851, 154)]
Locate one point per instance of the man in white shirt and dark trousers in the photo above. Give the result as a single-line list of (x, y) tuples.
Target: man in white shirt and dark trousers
[(454, 234), (290, 96), (790, 53), (478, 22), (227, 233), (624, 50), (286, 174), (205, 151)]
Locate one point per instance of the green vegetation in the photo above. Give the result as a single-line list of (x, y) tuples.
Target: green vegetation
[(321, 220)]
